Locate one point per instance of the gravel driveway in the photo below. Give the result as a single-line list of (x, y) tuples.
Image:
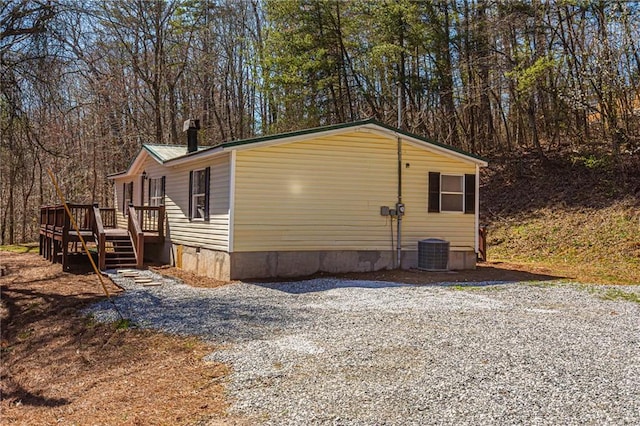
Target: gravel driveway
[(363, 353)]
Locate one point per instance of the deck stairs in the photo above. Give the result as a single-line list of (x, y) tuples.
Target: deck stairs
[(119, 252), (115, 247)]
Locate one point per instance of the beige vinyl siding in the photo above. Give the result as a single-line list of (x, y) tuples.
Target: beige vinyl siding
[(417, 224), (326, 193), (319, 194), (154, 170), (119, 195), (212, 234), (119, 183), (140, 194)]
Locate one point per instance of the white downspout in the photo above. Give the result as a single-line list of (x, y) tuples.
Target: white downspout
[(477, 210)]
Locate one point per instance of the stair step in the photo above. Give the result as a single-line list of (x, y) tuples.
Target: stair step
[(120, 253), (120, 259), (120, 265), (116, 258)]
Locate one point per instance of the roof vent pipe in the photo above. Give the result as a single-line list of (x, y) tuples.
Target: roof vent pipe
[(191, 126)]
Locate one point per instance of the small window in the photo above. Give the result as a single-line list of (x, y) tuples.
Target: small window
[(199, 194), (156, 191), (451, 193)]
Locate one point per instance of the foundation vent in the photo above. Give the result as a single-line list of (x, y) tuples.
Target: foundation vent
[(433, 254)]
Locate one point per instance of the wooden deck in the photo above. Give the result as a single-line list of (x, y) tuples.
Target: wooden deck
[(111, 246)]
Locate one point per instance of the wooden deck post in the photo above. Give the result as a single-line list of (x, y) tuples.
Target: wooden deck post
[(100, 236), (161, 212), (482, 249)]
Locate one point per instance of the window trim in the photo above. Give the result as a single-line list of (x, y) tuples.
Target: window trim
[(469, 193), (159, 183), (460, 193), (206, 194)]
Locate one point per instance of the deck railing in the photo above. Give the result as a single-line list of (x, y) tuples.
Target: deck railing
[(137, 236), (108, 216), (52, 217), (83, 215), (56, 229), (151, 218)]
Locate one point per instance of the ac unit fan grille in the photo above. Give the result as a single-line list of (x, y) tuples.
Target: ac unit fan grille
[(433, 254)]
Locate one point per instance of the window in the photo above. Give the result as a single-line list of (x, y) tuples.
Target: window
[(199, 194), (156, 191), (127, 197), (451, 193)]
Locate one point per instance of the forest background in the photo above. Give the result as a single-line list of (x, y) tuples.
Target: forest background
[(83, 84)]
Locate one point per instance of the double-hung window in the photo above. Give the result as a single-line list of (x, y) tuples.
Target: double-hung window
[(451, 193), (199, 194), (156, 191)]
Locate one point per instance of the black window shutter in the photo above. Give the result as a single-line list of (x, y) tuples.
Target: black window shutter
[(191, 194), (434, 192), (207, 175), (124, 198), (164, 181), (469, 193)]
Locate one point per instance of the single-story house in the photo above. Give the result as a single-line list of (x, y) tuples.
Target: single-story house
[(321, 199)]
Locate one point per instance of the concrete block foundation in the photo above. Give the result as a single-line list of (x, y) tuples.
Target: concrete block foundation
[(208, 263), (301, 263), (270, 264)]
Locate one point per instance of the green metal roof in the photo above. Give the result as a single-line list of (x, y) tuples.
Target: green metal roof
[(164, 153), (167, 153)]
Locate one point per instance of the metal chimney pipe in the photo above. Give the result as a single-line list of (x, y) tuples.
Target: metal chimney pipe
[(191, 126)]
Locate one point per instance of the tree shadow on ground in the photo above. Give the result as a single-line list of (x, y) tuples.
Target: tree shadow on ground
[(495, 273), (213, 314), (22, 396), (39, 311)]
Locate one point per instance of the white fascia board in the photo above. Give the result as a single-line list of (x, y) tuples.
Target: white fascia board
[(295, 138), (135, 165), (116, 176), (200, 155), (372, 128)]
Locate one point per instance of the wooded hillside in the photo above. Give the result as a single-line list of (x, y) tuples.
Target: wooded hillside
[(84, 83)]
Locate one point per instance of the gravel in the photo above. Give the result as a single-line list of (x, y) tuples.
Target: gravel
[(342, 352)]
